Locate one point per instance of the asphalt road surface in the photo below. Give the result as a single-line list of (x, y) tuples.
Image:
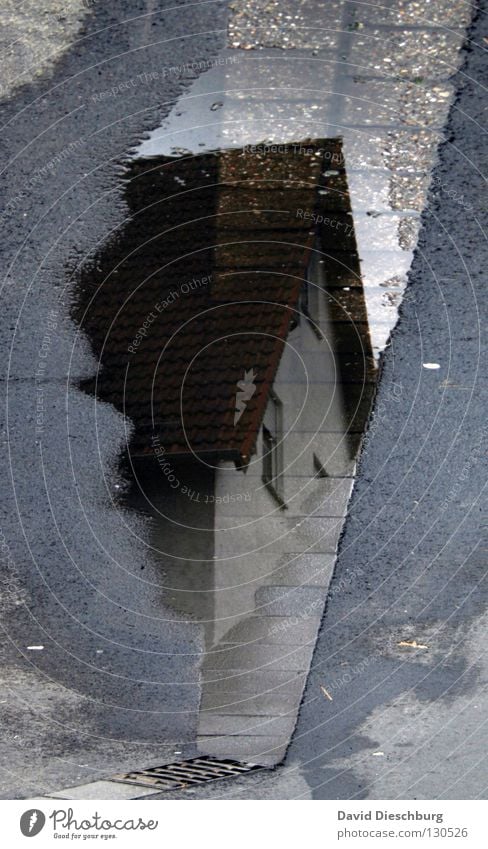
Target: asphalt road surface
[(406, 722)]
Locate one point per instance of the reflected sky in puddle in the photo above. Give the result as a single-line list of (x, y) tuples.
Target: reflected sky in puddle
[(238, 320), (389, 133)]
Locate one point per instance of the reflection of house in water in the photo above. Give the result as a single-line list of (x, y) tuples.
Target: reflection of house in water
[(230, 325)]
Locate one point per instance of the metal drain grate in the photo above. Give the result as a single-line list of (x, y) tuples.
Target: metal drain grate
[(185, 774)]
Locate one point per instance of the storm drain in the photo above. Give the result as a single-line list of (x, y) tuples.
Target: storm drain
[(185, 774)]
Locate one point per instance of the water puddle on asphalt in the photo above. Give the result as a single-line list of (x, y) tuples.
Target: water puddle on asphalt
[(238, 320), (231, 327)]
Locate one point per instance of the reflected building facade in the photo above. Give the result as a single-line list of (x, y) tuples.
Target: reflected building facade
[(230, 326)]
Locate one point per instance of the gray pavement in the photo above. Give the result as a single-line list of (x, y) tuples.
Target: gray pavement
[(96, 697)]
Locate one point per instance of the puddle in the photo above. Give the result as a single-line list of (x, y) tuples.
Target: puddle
[(238, 320), (230, 324)]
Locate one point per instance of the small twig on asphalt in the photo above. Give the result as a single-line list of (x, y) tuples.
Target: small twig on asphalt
[(412, 644), (326, 693)]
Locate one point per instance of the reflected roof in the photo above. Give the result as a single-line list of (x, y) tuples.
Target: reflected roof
[(199, 290)]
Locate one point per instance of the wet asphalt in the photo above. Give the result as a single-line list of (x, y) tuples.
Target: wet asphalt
[(418, 521), (76, 707), (401, 721)]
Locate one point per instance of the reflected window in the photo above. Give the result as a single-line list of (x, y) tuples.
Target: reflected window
[(273, 448), (312, 289)]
